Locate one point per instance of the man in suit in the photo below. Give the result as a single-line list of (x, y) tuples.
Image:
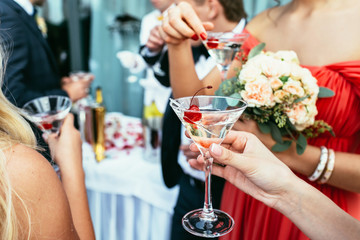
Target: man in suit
[(31, 68)]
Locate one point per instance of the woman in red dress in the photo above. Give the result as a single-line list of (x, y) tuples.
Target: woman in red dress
[(326, 40)]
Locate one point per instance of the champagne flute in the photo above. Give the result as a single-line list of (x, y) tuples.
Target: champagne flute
[(223, 47), (209, 124)]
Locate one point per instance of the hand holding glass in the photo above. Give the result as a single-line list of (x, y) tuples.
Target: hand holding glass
[(210, 124), (48, 112)]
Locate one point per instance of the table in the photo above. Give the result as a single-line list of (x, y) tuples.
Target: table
[(127, 197)]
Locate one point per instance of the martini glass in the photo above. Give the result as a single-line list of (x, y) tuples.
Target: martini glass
[(216, 116), (223, 47), (48, 112)]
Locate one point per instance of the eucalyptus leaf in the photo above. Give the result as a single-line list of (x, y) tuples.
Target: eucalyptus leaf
[(280, 147), (299, 149), (257, 111), (256, 50), (276, 133), (264, 127), (301, 141), (325, 92), (235, 101), (302, 98)]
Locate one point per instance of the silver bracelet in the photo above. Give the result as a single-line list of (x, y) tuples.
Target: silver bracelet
[(329, 167), (321, 166)]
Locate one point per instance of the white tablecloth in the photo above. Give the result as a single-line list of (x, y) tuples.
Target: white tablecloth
[(127, 197)]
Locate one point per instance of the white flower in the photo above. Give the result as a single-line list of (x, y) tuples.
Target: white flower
[(294, 87), (249, 74), (287, 56)]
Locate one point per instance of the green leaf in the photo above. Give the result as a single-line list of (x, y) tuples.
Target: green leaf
[(280, 147), (276, 133), (325, 92), (256, 50), (264, 127), (233, 102), (218, 92), (284, 78), (257, 111), (302, 98)]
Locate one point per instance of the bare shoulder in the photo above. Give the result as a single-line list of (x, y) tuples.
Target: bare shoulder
[(264, 20), (36, 183)]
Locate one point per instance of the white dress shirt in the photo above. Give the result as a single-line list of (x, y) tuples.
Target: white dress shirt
[(26, 5)]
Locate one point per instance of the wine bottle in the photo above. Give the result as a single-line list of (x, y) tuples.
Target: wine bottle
[(98, 113)]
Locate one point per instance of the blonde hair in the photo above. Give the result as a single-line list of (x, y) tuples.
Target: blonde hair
[(13, 130)]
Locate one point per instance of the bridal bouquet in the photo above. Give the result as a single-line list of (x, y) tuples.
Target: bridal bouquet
[(281, 97)]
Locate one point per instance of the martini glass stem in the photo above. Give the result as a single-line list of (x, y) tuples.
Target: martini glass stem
[(208, 211), (223, 72)]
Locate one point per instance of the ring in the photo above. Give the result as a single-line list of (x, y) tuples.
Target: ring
[(87, 90)]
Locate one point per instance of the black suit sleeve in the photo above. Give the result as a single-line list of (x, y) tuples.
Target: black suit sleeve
[(150, 60), (25, 62), (171, 131)]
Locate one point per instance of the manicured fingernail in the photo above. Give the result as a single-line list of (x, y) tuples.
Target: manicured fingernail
[(216, 149), (195, 37), (203, 35)]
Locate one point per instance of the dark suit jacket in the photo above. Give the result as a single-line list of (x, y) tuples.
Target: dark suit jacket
[(171, 131), (31, 68)]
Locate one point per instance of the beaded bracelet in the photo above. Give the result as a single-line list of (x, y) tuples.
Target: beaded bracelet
[(321, 166), (329, 167)]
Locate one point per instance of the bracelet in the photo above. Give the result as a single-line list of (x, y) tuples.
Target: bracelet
[(321, 166), (329, 167)]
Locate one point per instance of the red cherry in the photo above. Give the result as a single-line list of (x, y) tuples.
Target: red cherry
[(192, 117), (47, 126), (212, 43)]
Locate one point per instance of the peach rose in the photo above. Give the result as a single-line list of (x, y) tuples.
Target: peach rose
[(258, 93), (280, 95), (275, 83)]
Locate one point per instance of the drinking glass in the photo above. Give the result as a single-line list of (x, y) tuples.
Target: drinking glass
[(48, 112), (209, 124), (223, 47)]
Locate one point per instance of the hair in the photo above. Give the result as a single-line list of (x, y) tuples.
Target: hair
[(13, 130), (233, 9)]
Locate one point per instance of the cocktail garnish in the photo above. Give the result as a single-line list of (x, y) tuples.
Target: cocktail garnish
[(192, 117), (212, 43)]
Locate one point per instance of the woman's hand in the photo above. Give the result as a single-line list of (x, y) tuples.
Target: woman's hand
[(181, 22), (251, 126), (250, 166), (66, 148)]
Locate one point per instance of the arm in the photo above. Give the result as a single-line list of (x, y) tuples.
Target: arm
[(346, 169), (66, 151), (181, 24), (251, 167)]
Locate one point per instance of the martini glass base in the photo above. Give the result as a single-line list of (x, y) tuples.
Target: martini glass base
[(194, 223)]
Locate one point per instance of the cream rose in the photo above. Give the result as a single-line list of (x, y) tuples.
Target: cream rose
[(294, 87)]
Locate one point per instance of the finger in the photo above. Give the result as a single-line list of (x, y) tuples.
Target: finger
[(191, 18), (225, 156), (175, 27), (68, 121)]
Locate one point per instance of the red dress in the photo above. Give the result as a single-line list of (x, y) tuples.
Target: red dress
[(256, 221)]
